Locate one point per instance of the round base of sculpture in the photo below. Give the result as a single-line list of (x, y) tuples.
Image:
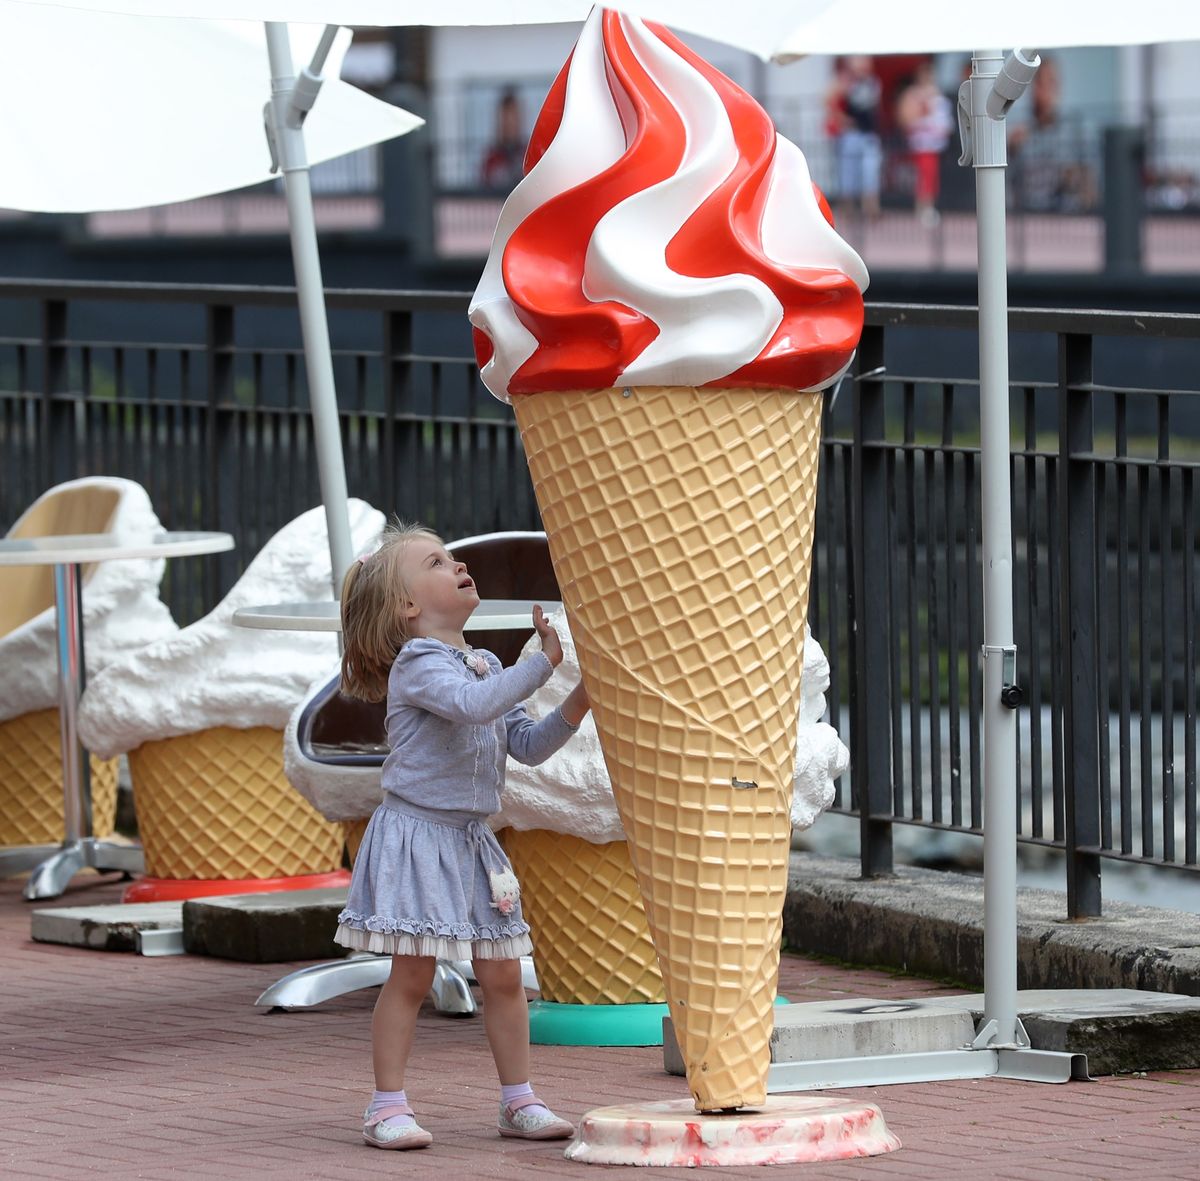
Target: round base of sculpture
[(552, 1023), (788, 1129), (181, 889), (555, 1023)]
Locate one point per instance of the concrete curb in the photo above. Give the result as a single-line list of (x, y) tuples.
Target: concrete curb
[(268, 928), (930, 922), (114, 927)]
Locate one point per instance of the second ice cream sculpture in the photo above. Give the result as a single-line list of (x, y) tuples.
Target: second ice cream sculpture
[(664, 300)]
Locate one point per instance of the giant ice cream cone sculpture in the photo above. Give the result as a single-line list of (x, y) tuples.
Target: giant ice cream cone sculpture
[(664, 300)]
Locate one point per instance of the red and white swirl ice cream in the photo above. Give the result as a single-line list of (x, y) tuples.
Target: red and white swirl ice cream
[(665, 299), (664, 234)]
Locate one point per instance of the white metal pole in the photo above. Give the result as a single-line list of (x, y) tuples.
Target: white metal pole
[(993, 87), (285, 122)]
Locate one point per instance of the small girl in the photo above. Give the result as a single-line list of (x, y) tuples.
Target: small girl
[(430, 881)]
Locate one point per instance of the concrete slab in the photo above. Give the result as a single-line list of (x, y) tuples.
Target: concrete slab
[(105, 928), (1120, 1030), (931, 922), (265, 928), (860, 1028)]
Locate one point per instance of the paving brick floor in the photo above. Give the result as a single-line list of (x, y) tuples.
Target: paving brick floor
[(131, 1067)]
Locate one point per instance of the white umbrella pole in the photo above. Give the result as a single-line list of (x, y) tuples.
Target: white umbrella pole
[(284, 114), (989, 93)]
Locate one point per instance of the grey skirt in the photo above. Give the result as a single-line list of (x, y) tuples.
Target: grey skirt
[(429, 882)]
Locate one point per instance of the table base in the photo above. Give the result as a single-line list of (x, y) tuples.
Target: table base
[(17, 859), (451, 990), (50, 878)]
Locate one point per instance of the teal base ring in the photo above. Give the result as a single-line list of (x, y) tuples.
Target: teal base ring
[(553, 1023)]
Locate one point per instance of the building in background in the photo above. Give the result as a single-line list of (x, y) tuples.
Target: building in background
[(1105, 150)]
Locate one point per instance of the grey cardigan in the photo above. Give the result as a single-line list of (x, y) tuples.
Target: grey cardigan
[(449, 732)]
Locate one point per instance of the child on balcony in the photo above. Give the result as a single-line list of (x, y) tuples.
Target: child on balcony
[(430, 881)]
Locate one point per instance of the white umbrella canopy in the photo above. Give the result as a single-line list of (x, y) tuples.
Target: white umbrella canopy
[(781, 29), (108, 111)]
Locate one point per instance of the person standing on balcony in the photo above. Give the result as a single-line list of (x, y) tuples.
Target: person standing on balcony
[(504, 162), (852, 119), (1049, 153), (430, 880), (923, 113)]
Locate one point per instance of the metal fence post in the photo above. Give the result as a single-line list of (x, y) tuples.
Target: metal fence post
[(1077, 529), (399, 448), (221, 492), (56, 454), (1124, 199), (406, 183), (870, 705)]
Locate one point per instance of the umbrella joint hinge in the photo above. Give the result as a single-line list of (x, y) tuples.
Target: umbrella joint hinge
[(269, 131), (984, 100)]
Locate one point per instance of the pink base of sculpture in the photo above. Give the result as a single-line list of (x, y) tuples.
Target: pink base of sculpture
[(788, 1129)]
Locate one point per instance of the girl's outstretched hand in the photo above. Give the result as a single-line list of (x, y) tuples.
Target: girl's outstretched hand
[(551, 644)]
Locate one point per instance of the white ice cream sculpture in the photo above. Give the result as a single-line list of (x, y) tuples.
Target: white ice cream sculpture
[(121, 612), (201, 715)]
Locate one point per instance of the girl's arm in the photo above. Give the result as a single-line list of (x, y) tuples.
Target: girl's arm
[(429, 677), (531, 742)]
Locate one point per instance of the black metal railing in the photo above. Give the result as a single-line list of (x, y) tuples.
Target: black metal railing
[(1106, 555), (199, 393)]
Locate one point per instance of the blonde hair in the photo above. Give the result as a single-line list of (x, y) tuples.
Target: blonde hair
[(374, 626)]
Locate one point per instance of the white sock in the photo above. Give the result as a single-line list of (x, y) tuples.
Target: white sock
[(511, 1091), (381, 1099)]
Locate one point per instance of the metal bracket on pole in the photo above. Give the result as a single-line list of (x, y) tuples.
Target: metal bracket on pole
[(291, 100), (269, 132), (985, 1037), (1013, 80), (984, 100), (1012, 696)]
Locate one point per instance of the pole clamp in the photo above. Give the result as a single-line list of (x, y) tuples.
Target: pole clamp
[(1012, 696)]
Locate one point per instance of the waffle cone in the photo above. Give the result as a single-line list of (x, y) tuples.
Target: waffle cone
[(680, 524), (216, 805), (591, 945), (353, 832), (31, 786)]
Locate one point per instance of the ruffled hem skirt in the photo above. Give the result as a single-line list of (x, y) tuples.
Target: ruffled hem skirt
[(434, 945), (429, 882)]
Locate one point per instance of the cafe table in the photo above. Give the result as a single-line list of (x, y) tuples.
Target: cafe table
[(66, 553), (325, 616)]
